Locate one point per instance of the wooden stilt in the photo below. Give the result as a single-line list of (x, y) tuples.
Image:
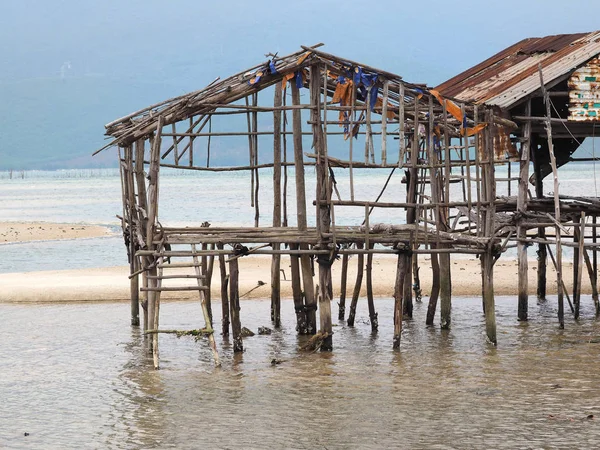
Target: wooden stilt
[(370, 302), (141, 228), (204, 304), (578, 262), (305, 261), (435, 289), (234, 299), (155, 324), (522, 207), (343, 283), (323, 196), (301, 325), (356, 293), (398, 294), (445, 290), (487, 275), (144, 300), (594, 269), (407, 300), (561, 306), (135, 294), (224, 294), (542, 254), (276, 259)]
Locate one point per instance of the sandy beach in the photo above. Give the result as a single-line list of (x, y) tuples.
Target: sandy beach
[(45, 231), (112, 284)]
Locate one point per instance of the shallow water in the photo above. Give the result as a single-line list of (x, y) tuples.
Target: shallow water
[(76, 376)]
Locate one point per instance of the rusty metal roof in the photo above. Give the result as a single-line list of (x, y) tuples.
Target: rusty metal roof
[(512, 74)]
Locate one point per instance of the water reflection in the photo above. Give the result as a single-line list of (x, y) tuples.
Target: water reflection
[(79, 377)]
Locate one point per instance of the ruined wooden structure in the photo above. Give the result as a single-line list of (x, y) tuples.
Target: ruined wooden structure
[(303, 109), (550, 87)]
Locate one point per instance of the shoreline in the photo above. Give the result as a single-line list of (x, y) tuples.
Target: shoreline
[(112, 284), (18, 232)]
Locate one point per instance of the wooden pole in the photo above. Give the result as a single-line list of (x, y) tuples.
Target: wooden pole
[(487, 258), (542, 254), (141, 203), (580, 237), (155, 322), (234, 298), (356, 293), (343, 284), (561, 305), (276, 259), (594, 269), (435, 289), (301, 325), (370, 302), (205, 307), (323, 212), (132, 220), (307, 277), (398, 293), (224, 294), (522, 208), (153, 185), (384, 119)]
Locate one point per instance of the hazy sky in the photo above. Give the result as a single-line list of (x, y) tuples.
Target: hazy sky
[(118, 56)]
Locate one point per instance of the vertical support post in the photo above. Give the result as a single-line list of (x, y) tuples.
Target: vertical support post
[(594, 268), (203, 290), (435, 289), (323, 196), (398, 294), (224, 294), (234, 301), (307, 278), (155, 354), (132, 219), (542, 252), (301, 326), (356, 293), (522, 208), (276, 259), (559, 281), (343, 285), (436, 196), (142, 223), (580, 238), (487, 275), (442, 220), (153, 173), (370, 302), (487, 258)]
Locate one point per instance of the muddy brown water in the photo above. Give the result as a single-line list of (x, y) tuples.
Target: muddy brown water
[(76, 376)]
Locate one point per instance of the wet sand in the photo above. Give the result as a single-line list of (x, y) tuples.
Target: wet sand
[(112, 284), (46, 231)]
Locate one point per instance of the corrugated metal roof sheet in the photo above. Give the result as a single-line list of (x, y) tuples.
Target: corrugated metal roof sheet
[(512, 74)]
